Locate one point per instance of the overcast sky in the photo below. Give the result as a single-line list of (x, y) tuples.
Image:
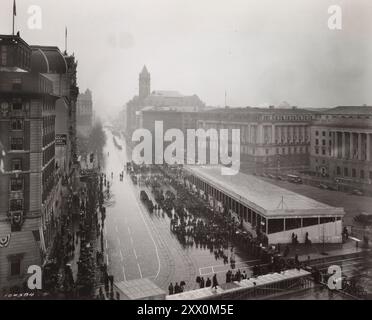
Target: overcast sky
[(260, 51)]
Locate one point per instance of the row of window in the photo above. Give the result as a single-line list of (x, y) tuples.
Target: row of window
[(353, 173)]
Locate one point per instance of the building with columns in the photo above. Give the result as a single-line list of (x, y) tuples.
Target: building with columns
[(271, 139), (341, 144)]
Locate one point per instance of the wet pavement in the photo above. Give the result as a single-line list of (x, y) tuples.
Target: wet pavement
[(140, 245)]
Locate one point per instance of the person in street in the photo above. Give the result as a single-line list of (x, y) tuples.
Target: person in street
[(214, 282), (170, 289), (177, 288), (202, 282), (208, 283)]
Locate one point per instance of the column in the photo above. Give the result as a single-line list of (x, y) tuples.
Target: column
[(343, 145), (351, 146), (359, 146), (368, 148), (336, 144), (273, 133)]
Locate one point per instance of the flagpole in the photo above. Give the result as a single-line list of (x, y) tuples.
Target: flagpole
[(13, 20), (14, 14), (66, 40)]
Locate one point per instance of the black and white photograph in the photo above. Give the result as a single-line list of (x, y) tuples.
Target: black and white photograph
[(184, 154)]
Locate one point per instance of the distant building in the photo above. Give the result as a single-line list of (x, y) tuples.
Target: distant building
[(341, 144), (84, 113), (156, 99), (271, 139)]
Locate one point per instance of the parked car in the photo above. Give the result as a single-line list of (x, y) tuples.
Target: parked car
[(357, 192), (323, 186), (293, 178)]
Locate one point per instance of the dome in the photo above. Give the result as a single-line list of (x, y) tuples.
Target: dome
[(48, 60)]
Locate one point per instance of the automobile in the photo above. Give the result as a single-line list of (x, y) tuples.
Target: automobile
[(357, 192), (293, 178), (271, 176), (332, 188), (279, 178), (323, 186)]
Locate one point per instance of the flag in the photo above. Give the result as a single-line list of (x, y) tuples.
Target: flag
[(14, 8)]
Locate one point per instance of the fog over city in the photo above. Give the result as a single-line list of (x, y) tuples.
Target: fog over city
[(260, 52)]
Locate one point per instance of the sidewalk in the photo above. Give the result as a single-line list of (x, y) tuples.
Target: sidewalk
[(317, 252)]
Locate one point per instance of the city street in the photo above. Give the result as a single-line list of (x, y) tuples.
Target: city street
[(138, 245)]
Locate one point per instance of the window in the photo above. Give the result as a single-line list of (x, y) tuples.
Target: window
[(275, 225), (16, 205), (327, 220), (317, 142), (346, 172), (15, 267), (338, 170), (292, 223), (17, 106), (307, 222), (323, 142), (16, 165), (323, 133), (17, 84), (17, 124), (16, 144), (3, 55), (353, 173), (16, 184), (362, 174), (370, 174), (323, 152), (317, 133)]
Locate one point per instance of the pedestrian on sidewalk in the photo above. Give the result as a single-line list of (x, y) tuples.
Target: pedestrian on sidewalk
[(214, 282), (208, 282), (170, 289)]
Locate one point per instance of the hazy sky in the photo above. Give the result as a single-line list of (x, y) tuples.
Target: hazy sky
[(259, 51)]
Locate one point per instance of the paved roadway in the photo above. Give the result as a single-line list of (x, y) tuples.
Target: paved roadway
[(140, 245), (131, 251)]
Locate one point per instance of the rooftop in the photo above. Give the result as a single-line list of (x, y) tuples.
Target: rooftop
[(48, 60), (247, 110), (350, 110), (169, 94), (264, 197)]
